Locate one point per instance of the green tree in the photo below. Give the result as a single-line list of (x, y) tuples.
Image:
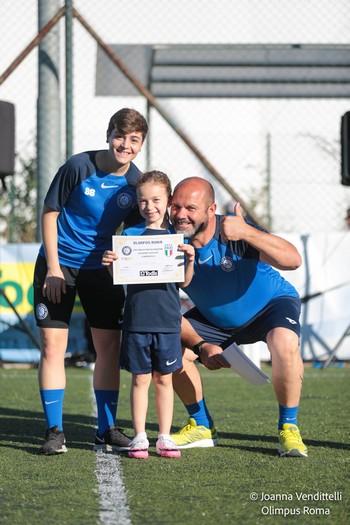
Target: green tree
[(18, 204)]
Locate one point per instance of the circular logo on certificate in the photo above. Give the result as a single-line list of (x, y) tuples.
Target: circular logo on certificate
[(124, 200), (126, 250), (226, 264)]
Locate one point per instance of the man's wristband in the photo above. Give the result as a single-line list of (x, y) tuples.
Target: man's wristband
[(198, 347)]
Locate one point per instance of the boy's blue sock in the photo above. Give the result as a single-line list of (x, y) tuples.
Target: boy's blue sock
[(52, 401), (107, 403), (199, 412), (287, 415)]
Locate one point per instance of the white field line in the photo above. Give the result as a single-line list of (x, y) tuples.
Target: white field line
[(114, 509)]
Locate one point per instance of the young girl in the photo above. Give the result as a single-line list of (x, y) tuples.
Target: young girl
[(151, 345)]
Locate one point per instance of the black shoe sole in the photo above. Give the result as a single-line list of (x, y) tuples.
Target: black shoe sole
[(106, 447), (54, 452)]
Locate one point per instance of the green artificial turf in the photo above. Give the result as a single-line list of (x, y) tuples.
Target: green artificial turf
[(240, 481)]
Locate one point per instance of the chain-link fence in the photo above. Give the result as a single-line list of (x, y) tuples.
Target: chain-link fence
[(248, 94)]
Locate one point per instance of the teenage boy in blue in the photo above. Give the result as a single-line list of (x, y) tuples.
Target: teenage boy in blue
[(92, 194), (239, 298), (151, 343)]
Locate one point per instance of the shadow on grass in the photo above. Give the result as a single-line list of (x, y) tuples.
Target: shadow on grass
[(273, 439), (25, 430)]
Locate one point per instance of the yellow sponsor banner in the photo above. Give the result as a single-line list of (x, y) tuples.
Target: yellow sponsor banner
[(16, 283)]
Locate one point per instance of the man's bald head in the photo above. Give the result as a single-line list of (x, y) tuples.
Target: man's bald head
[(192, 207), (199, 186)]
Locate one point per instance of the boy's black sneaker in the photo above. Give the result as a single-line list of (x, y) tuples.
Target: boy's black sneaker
[(55, 442), (112, 440)]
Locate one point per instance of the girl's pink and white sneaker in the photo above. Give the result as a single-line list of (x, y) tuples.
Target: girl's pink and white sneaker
[(139, 447), (167, 448)]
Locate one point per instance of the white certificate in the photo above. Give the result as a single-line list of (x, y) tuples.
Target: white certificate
[(244, 366), (148, 259)]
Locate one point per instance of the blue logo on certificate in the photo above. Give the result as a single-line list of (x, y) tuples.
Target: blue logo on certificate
[(126, 250)]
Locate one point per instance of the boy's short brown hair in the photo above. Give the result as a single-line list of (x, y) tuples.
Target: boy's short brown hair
[(126, 121)]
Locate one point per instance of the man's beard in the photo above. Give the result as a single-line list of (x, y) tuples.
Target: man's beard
[(189, 234)]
